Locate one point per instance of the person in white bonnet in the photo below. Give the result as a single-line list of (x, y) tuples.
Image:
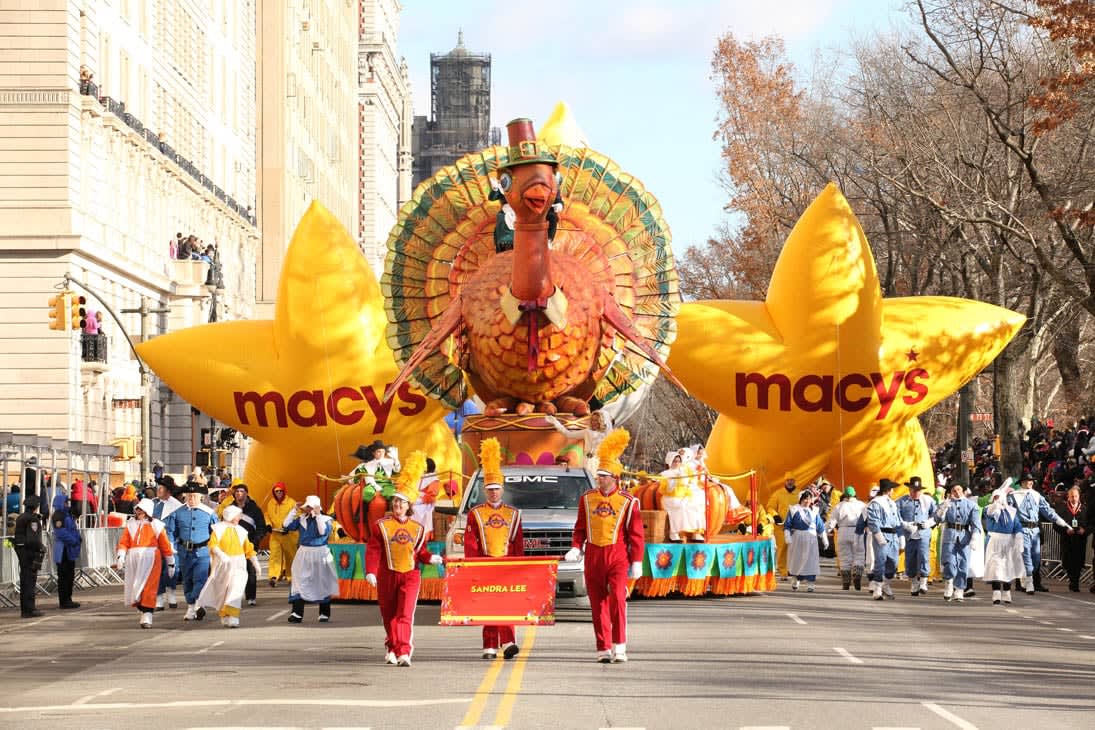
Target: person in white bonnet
[(314, 578), (682, 497), (230, 551)]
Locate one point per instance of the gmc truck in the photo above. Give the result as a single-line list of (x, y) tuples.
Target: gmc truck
[(548, 499)]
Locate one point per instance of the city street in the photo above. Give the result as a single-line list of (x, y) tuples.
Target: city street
[(786, 660)]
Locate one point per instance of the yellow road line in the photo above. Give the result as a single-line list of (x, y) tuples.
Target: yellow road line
[(513, 687), (483, 693)]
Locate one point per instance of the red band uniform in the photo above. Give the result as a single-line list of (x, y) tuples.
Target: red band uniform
[(494, 532), (610, 528), (395, 548)]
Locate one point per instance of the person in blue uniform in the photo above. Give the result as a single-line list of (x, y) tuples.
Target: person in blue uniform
[(66, 548), (883, 523), (313, 571), (189, 532), (165, 505), (961, 527), (1032, 507), (917, 510)]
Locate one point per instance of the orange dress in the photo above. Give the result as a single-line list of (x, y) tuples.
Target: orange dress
[(142, 544)]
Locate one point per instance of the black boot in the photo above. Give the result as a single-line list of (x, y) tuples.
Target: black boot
[(857, 580), (1038, 582), (846, 579), (969, 588)]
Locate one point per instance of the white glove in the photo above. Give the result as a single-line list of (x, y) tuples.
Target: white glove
[(879, 538), (258, 568), (825, 543), (909, 526), (636, 571), (370, 579), (436, 560), (573, 555), (901, 543), (171, 569)]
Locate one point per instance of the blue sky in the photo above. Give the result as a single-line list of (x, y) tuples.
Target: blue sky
[(636, 74)]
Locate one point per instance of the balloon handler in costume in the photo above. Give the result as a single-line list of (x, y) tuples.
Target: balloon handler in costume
[(851, 550), (777, 507), (916, 510), (802, 528), (958, 516), (190, 527), (609, 531), (494, 531), (883, 523), (314, 579), (397, 544), (283, 543), (142, 545), (1032, 507), (1004, 550), (230, 551)]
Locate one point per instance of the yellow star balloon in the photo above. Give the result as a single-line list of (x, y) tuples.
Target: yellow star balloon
[(307, 386), (825, 376)]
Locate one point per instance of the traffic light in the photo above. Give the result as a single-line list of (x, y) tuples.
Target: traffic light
[(58, 312), (79, 312)]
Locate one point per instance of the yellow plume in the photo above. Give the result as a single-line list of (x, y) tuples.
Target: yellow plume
[(406, 481), (608, 453), (490, 459)]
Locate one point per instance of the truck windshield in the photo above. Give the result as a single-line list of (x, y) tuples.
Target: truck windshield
[(537, 491)]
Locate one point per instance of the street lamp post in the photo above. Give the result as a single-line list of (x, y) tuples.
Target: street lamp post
[(214, 282)]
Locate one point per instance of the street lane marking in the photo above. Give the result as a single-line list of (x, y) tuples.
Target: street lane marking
[(277, 615), (1046, 623), (1085, 636), (505, 707), (213, 646), (15, 627), (104, 693), (1012, 610), (277, 701), (1062, 628), (794, 617), (847, 655), (479, 701), (765, 727), (1070, 598), (949, 716)]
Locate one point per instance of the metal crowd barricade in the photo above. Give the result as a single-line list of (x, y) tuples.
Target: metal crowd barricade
[(1052, 560), (96, 557)]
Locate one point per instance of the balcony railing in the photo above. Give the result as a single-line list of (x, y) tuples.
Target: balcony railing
[(93, 347)]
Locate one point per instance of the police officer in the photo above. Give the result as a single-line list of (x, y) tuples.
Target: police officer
[(31, 551), (189, 530)]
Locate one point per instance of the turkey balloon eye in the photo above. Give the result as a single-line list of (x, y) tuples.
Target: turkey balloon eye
[(505, 181)]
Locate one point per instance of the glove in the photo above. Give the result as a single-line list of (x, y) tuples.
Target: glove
[(171, 569), (573, 555), (825, 544), (436, 560), (879, 538), (371, 579), (636, 571), (909, 526), (258, 568)]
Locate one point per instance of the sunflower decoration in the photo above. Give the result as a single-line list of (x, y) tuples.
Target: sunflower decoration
[(407, 480), (663, 559)]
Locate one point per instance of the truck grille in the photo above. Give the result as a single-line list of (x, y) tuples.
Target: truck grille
[(547, 542)]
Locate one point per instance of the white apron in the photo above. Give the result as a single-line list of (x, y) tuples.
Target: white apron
[(802, 553), (975, 567), (1004, 557), (139, 561), (314, 577), (228, 578)]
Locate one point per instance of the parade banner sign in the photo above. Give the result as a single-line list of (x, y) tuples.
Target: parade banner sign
[(484, 591)]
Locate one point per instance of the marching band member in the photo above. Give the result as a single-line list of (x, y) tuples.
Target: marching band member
[(610, 530), (494, 531), (142, 545), (314, 579), (230, 550), (396, 545)]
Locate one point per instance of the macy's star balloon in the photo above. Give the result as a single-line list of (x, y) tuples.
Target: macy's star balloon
[(306, 386), (825, 376)]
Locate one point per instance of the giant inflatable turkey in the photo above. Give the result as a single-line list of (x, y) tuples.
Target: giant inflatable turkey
[(538, 274)]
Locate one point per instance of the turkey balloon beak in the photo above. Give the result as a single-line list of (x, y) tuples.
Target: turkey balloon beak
[(536, 197)]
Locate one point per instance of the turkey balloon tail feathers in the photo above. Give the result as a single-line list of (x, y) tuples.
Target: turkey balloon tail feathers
[(451, 321), (619, 321)]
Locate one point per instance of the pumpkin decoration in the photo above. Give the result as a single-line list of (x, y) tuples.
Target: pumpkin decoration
[(348, 512), (716, 509)]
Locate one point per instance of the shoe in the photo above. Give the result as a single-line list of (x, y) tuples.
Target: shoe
[(923, 586), (172, 602), (159, 602), (510, 650), (324, 618), (273, 582), (619, 654), (490, 653), (252, 602), (970, 593), (857, 581), (389, 658), (70, 604), (996, 598), (948, 590), (146, 620), (604, 657), (224, 621), (794, 585), (1041, 588), (200, 613), (295, 618), (403, 661), (810, 587), (846, 579), (31, 614), (191, 614), (233, 622), (914, 592), (959, 595), (1007, 598)]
